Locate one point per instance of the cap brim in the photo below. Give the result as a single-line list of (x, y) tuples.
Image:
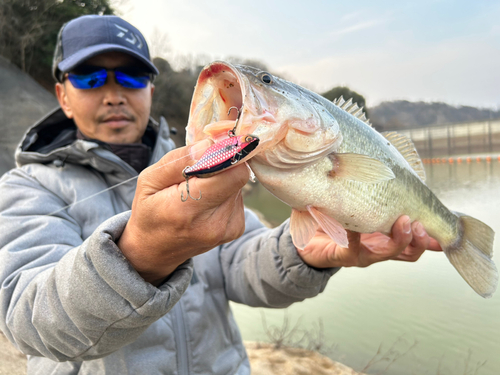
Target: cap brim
[(76, 59)]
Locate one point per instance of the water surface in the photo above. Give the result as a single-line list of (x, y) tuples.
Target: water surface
[(397, 304)]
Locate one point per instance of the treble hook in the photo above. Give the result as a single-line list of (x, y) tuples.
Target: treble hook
[(237, 155), (232, 133), (187, 188)]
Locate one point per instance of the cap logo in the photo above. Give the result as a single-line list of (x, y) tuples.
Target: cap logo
[(132, 39)]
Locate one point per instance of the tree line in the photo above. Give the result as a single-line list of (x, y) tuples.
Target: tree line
[(28, 31)]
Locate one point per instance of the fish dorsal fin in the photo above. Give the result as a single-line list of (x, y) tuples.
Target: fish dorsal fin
[(352, 109), (406, 148)]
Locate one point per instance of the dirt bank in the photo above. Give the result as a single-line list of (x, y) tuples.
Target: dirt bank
[(265, 360), (12, 361)]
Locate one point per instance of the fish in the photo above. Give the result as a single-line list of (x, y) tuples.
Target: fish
[(336, 172)]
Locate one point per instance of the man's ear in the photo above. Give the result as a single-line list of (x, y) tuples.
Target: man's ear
[(62, 97), (152, 90)]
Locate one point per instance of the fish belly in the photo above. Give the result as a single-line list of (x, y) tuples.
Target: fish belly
[(358, 206)]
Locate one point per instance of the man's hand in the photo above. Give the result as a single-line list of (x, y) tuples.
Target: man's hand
[(406, 242), (163, 232)]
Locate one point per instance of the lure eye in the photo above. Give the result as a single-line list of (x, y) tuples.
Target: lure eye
[(266, 78), (248, 139)]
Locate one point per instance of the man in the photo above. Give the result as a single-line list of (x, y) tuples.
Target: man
[(132, 280)]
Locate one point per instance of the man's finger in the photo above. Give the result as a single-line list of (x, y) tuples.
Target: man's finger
[(383, 247), (420, 241), (401, 230), (216, 189), (434, 245), (418, 244), (168, 170)]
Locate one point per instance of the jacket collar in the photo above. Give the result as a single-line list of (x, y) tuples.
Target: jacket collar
[(54, 138)]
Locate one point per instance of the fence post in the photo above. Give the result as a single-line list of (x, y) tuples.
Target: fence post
[(429, 137), (468, 139), (490, 136)]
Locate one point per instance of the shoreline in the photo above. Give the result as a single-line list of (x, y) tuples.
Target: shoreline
[(264, 359)]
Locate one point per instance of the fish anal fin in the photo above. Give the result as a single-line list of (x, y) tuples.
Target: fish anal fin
[(302, 228), (406, 148), (357, 167), (332, 227)]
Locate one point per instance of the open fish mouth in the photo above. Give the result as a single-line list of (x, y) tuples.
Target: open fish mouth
[(226, 103), (217, 103)]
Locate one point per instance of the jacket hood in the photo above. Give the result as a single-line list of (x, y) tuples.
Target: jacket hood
[(54, 138)]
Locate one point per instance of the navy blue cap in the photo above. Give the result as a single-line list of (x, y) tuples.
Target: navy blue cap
[(88, 36)]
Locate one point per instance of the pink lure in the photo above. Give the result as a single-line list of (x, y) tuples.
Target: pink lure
[(222, 155)]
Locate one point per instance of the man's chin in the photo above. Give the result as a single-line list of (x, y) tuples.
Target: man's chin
[(121, 136), (117, 125)]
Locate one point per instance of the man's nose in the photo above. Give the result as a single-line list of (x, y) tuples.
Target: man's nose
[(114, 93)]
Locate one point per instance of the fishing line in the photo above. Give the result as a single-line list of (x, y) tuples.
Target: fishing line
[(110, 188)]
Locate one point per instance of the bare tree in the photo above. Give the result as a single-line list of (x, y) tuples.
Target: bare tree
[(389, 356), (284, 335), (159, 44), (28, 30)]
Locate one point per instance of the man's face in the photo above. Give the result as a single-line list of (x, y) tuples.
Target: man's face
[(110, 113)]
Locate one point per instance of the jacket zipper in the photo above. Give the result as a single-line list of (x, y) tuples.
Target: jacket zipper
[(180, 334)]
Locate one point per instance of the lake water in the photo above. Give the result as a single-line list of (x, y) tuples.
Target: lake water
[(421, 314)]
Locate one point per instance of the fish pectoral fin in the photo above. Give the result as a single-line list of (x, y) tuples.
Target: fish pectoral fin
[(332, 227), (302, 228), (362, 168)]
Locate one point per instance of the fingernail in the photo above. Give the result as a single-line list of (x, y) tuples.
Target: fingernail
[(196, 151), (419, 230), (407, 226)]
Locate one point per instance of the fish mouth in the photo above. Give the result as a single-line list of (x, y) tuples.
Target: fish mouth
[(224, 104), (216, 104)]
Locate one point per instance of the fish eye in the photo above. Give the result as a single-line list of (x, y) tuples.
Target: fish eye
[(266, 78)]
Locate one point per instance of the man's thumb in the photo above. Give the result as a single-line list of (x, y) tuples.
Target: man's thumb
[(168, 170)]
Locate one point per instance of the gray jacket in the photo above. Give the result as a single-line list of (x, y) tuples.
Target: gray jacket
[(71, 301)]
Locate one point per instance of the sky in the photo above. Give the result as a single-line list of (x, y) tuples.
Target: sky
[(429, 50)]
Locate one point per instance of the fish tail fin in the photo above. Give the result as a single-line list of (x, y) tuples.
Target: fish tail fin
[(472, 255)]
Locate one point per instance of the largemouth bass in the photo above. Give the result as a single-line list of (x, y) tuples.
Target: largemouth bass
[(324, 160)]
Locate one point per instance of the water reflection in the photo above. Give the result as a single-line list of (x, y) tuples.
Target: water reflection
[(394, 302), (444, 177), (262, 201)]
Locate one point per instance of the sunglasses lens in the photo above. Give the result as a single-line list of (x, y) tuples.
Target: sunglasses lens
[(90, 77), (88, 80), (132, 79)]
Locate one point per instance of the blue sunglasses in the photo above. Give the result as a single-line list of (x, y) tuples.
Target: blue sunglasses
[(90, 77)]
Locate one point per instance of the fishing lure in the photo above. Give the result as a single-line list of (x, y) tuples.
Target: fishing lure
[(219, 156)]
